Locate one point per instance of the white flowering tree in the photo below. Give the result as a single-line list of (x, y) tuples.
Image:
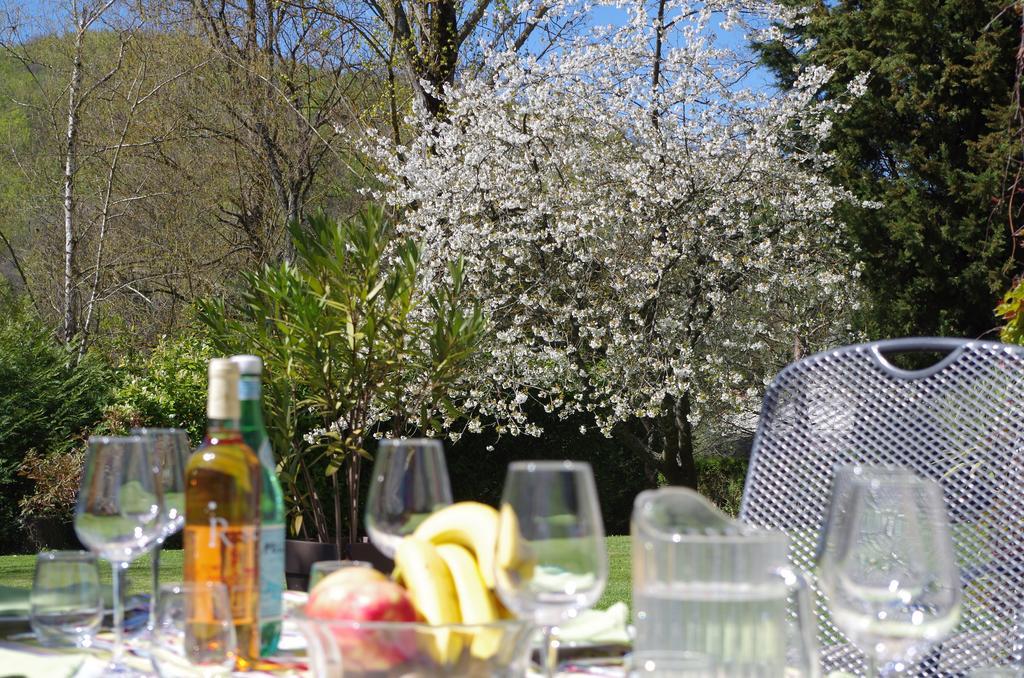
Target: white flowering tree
[(649, 236)]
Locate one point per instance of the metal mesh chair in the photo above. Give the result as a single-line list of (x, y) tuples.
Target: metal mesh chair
[(960, 422)]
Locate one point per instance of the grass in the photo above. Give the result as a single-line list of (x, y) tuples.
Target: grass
[(620, 568), (17, 571)]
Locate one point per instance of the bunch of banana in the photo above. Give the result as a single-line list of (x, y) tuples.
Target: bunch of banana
[(448, 567)]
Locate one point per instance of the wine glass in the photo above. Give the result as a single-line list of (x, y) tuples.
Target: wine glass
[(887, 567), (171, 450), (550, 560), (409, 482), (194, 634), (119, 516)]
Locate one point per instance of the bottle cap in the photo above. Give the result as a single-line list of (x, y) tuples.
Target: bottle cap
[(222, 396), (249, 365)]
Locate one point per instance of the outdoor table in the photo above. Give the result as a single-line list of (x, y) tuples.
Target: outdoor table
[(25, 658), (20, 655)]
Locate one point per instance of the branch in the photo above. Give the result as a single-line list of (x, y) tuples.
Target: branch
[(631, 441), (21, 271), (109, 74), (86, 23), (472, 21), (531, 24)]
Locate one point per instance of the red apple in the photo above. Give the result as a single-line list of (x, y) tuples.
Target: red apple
[(327, 595), (360, 598)]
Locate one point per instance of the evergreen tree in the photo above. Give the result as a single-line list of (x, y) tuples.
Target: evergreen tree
[(929, 142)]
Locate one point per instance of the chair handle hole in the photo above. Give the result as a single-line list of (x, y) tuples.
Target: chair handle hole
[(914, 361)]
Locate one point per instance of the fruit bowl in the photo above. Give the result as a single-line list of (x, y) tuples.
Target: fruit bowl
[(384, 649)]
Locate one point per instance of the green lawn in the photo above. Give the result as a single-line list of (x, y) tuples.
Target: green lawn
[(17, 571), (619, 572)]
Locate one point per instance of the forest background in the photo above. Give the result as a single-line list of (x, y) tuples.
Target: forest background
[(151, 153)]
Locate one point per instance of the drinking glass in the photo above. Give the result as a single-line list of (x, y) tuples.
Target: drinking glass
[(887, 566), (194, 633), (66, 606), (118, 516), (550, 559), (410, 481), (322, 568), (171, 450)]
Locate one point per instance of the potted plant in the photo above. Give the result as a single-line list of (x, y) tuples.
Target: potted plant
[(355, 346)]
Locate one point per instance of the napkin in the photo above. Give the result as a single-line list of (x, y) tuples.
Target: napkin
[(598, 627)]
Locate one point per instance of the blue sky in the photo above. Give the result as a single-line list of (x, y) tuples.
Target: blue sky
[(602, 15)]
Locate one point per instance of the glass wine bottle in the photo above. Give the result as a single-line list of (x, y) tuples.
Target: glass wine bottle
[(222, 512), (272, 518)]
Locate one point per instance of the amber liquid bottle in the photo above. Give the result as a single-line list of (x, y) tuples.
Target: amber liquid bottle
[(222, 511)]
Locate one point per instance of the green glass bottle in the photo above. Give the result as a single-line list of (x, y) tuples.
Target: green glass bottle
[(272, 516)]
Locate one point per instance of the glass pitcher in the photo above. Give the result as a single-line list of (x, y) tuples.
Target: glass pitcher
[(713, 593)]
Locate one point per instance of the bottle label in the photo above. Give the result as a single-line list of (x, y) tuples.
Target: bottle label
[(224, 553), (249, 389), (271, 572)]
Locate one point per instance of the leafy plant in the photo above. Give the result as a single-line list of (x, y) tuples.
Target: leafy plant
[(1009, 309), (352, 347)]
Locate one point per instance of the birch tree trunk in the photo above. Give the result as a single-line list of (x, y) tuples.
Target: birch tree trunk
[(70, 311)]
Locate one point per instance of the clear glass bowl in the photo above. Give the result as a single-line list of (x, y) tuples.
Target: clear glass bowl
[(383, 649)]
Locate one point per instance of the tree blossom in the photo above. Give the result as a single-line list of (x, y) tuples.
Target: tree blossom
[(651, 237)]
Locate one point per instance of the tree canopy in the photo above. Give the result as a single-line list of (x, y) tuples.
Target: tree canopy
[(927, 146), (650, 236)]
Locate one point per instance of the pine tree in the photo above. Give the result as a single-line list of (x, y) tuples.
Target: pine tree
[(929, 142)]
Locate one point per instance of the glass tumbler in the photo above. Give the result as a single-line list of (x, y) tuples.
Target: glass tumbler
[(66, 607), (194, 634)]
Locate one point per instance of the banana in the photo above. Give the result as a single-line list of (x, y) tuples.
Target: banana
[(514, 557), (476, 604), (469, 524), (433, 593)]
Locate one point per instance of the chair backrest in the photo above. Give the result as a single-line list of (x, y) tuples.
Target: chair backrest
[(960, 422)]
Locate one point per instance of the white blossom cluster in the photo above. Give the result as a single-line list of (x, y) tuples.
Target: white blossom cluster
[(633, 237)]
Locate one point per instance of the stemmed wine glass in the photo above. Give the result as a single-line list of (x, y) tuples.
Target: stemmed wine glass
[(550, 560), (118, 516), (887, 567), (171, 449), (410, 481)]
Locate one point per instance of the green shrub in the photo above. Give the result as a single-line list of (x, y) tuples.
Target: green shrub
[(478, 473), (166, 389), (721, 479), (48, 403), (477, 464)]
